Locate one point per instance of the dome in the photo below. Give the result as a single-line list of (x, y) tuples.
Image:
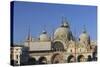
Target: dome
[(84, 37), (63, 32), (44, 36)]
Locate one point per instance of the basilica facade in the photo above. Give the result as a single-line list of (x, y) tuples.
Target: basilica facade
[(61, 47)]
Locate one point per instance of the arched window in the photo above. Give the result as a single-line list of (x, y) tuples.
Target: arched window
[(80, 58), (57, 58), (80, 50), (57, 46), (70, 59), (42, 60), (31, 61), (71, 50), (89, 58)]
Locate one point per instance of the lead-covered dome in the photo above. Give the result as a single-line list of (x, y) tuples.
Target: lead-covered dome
[(84, 37), (44, 36), (63, 32)]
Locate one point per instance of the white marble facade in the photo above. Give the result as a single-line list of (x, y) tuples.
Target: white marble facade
[(62, 47)]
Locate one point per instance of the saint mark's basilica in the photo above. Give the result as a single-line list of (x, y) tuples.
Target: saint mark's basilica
[(61, 47)]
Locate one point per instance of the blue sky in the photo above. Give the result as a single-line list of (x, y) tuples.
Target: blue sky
[(49, 16)]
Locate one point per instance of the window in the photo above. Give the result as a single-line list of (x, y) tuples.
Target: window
[(80, 50), (71, 50), (16, 61), (58, 46), (17, 56), (79, 39), (17, 49)]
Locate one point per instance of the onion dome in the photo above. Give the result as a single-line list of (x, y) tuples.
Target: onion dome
[(44, 36), (84, 37), (63, 32)]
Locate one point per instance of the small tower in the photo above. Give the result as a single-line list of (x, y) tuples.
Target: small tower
[(28, 39)]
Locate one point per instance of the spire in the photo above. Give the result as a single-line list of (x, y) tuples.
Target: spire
[(29, 35)]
